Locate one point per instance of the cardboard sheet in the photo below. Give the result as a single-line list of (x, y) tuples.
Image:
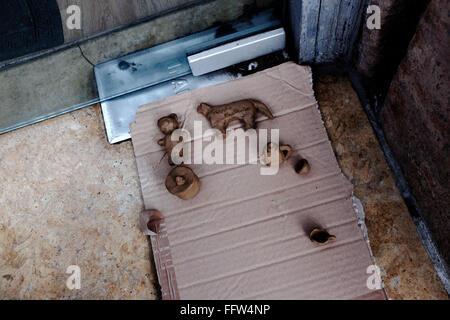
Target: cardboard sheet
[(246, 235)]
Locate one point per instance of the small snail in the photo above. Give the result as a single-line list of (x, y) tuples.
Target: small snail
[(321, 236), (302, 167), (149, 221), (168, 125), (284, 152)]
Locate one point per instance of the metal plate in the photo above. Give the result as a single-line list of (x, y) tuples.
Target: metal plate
[(118, 113), (159, 72), (169, 60)]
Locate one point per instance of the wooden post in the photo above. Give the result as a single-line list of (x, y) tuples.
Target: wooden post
[(324, 30)]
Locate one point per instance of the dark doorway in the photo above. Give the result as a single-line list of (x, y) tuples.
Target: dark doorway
[(27, 26)]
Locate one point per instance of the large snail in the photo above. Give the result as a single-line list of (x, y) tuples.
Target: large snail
[(183, 183)]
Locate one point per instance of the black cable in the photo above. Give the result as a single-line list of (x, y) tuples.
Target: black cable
[(82, 54)]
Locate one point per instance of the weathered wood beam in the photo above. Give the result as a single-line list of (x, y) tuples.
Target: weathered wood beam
[(324, 30)]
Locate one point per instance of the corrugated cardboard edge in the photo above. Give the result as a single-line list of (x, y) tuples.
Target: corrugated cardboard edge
[(359, 211), (166, 271), (164, 265)]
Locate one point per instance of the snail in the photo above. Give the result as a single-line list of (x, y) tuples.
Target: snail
[(284, 153), (167, 125), (321, 236), (183, 183), (149, 221), (302, 167)]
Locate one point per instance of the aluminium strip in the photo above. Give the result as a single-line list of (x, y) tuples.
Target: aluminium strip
[(237, 51)]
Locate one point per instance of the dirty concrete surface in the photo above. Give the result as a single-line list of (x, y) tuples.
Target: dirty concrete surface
[(406, 269), (67, 197)]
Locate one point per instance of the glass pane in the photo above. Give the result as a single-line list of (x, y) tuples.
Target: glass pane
[(64, 81)]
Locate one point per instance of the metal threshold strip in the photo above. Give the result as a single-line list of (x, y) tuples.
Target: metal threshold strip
[(179, 66)]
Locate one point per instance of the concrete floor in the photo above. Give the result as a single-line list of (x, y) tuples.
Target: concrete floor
[(67, 197), (407, 271)]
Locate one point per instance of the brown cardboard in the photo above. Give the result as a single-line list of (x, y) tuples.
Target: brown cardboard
[(245, 235)]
